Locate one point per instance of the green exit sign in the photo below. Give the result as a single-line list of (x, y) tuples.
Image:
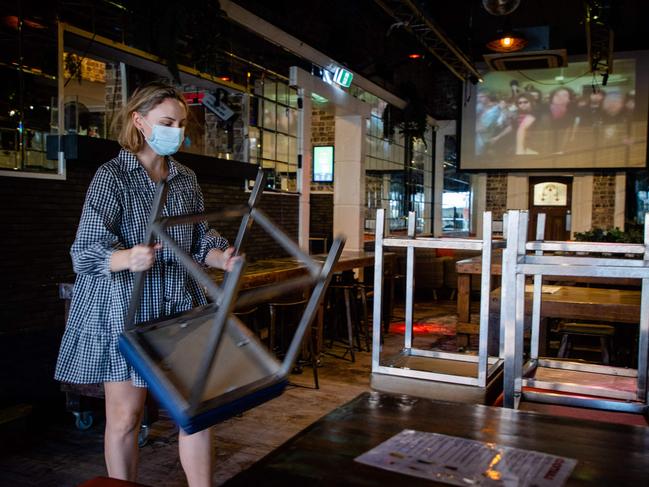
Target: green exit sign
[(343, 77)]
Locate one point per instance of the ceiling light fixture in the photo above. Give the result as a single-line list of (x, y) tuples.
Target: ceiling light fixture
[(508, 41)]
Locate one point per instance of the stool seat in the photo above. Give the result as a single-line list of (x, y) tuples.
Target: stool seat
[(604, 332), (591, 329)]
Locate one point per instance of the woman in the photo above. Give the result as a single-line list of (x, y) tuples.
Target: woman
[(107, 251), (525, 118)]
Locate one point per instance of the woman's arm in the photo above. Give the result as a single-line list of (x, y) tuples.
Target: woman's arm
[(97, 235)]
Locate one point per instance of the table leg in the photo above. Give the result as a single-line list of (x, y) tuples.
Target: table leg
[(464, 298)]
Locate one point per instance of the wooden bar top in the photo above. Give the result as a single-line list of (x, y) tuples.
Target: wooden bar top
[(323, 453), (270, 271)]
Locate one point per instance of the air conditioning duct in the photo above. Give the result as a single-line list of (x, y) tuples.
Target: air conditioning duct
[(517, 61)]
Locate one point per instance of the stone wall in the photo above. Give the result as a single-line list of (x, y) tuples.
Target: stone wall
[(603, 201), (496, 195)]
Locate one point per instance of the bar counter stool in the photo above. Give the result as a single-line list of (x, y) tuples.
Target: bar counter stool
[(344, 290), (604, 332), (249, 317), (284, 318)]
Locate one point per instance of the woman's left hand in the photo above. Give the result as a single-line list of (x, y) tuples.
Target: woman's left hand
[(222, 259)]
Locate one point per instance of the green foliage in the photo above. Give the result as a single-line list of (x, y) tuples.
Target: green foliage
[(633, 235)]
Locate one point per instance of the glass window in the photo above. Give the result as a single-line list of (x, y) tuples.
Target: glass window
[(278, 129), (270, 118), (268, 144), (456, 196), (28, 94)]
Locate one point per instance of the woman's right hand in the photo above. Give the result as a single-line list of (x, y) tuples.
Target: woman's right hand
[(141, 257)]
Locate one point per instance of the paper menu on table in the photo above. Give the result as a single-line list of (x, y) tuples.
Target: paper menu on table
[(458, 461)]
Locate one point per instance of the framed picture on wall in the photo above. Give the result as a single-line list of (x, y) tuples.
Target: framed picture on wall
[(323, 164)]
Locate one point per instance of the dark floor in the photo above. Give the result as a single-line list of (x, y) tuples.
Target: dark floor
[(47, 450)]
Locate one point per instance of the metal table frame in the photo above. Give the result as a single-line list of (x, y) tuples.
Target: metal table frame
[(516, 266), (486, 366)]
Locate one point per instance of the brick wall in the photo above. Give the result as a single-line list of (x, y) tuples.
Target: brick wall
[(603, 201), (496, 195), (322, 216), (39, 221), (323, 128)]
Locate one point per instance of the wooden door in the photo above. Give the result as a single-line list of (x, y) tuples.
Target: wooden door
[(550, 195)]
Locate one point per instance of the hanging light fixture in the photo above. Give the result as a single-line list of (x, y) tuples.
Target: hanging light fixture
[(507, 41)]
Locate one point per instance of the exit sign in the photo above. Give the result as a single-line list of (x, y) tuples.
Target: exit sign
[(343, 77)]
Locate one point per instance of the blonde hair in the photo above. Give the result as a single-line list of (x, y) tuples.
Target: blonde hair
[(143, 100)]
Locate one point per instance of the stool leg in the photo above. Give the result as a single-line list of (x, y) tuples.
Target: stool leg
[(603, 343), (563, 348), (356, 320), (366, 321), (350, 336), (272, 328), (314, 359)]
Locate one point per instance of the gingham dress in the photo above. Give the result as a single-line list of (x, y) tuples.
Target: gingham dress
[(114, 217)]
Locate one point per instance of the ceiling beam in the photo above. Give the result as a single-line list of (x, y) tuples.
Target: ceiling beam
[(280, 38), (417, 23)]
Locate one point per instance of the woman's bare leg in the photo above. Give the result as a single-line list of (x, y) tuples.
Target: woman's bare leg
[(124, 408), (196, 457)]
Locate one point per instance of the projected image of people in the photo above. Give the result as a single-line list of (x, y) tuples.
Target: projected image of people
[(556, 118)]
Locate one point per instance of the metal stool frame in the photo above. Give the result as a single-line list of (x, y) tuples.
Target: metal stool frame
[(516, 266), (226, 297), (487, 366)]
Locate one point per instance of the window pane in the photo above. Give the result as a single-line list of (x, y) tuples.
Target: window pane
[(282, 119), (270, 90), (255, 142), (282, 148), (292, 149), (268, 145), (269, 116), (282, 93), (292, 121)]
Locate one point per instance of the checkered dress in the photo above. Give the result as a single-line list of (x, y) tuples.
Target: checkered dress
[(114, 217)]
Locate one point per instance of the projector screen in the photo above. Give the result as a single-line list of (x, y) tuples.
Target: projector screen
[(558, 118)]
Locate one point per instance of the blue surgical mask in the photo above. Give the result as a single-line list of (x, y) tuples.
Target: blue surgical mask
[(165, 140)]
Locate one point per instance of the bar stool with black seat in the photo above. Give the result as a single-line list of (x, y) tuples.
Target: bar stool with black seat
[(569, 330), (250, 318), (344, 287), (284, 317)]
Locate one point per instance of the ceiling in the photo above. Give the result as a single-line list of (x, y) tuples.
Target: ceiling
[(360, 35), (356, 33)]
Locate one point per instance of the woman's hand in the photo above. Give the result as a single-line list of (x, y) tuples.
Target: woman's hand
[(141, 257), (222, 259), (136, 259)]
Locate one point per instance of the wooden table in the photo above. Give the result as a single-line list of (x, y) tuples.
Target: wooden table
[(323, 454), (272, 271), (577, 303), (473, 266), (584, 303)]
